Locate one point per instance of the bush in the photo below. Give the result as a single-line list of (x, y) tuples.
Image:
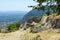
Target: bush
[(0, 29), (25, 28), (42, 24), (37, 38), (34, 30), (48, 13), (13, 27)]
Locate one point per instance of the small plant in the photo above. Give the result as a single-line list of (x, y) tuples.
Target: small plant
[(34, 30), (42, 24), (25, 28), (0, 29), (37, 38), (48, 14), (45, 14)]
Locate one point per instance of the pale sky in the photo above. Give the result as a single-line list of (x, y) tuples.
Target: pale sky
[(15, 5)]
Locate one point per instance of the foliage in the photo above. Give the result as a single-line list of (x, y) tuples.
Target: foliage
[(0, 29), (13, 27), (50, 4)]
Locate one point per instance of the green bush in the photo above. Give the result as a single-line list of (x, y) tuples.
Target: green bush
[(13, 27), (0, 29)]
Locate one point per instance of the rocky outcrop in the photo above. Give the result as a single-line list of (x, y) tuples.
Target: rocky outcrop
[(54, 20), (51, 21), (46, 22)]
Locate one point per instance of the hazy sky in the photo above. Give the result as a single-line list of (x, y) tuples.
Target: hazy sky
[(15, 5)]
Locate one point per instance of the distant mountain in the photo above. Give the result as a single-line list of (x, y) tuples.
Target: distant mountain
[(33, 13)]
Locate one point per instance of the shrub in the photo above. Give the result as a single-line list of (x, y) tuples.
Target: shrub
[(13, 27), (42, 24), (37, 38), (25, 28), (0, 29), (48, 13), (33, 30), (17, 24)]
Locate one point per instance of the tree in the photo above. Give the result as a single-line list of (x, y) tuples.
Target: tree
[(50, 4)]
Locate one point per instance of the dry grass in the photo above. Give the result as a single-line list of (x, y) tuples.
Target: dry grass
[(50, 34)]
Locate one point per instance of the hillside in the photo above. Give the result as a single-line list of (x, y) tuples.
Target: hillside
[(49, 30), (34, 13)]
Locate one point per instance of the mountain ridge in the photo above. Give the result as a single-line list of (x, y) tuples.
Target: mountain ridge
[(33, 13)]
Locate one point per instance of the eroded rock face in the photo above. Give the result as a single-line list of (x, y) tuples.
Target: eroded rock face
[(58, 22), (55, 21)]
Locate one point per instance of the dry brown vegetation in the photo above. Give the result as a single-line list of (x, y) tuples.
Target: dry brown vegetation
[(50, 34)]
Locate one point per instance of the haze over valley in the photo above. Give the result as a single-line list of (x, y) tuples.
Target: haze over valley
[(11, 17)]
